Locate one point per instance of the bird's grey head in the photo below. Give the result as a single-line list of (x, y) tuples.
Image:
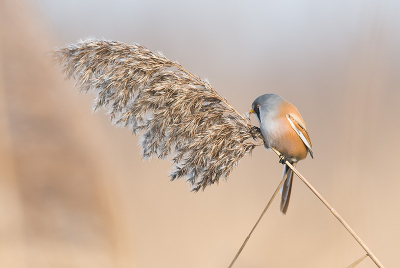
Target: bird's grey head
[(265, 103)]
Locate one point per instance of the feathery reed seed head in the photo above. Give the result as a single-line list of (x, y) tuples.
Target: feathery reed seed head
[(180, 114)]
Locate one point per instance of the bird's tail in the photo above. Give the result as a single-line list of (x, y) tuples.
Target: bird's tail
[(286, 188)]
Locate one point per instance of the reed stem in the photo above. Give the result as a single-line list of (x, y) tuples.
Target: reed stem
[(259, 219), (340, 219)]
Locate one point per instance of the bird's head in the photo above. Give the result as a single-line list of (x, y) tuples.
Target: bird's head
[(267, 103), (255, 109)]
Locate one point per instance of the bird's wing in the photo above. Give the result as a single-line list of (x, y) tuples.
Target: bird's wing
[(180, 114), (301, 130)]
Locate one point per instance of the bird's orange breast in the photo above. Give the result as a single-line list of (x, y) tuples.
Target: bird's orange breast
[(288, 142)]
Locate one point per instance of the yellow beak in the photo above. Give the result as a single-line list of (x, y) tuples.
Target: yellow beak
[(251, 111)]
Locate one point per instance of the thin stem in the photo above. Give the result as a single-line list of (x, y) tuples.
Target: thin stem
[(340, 219), (354, 264), (259, 219)]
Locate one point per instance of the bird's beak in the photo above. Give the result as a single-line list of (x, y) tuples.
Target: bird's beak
[(251, 111)]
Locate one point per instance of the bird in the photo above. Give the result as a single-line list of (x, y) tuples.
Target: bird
[(283, 129)]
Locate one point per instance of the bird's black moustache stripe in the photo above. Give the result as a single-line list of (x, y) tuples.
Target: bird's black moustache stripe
[(257, 111)]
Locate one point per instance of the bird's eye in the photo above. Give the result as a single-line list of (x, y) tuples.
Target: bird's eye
[(257, 110)]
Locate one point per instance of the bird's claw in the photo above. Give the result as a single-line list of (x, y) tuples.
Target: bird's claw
[(254, 130), (282, 159)]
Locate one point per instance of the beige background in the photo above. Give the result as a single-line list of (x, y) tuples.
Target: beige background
[(74, 191)]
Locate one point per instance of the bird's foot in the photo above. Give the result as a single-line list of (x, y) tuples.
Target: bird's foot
[(282, 159), (254, 130), (256, 134)]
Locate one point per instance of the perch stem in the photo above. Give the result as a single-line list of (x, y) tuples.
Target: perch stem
[(259, 219), (340, 219)]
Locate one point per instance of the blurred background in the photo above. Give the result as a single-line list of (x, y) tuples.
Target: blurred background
[(74, 191)]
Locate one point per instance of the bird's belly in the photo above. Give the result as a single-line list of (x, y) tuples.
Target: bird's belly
[(284, 139)]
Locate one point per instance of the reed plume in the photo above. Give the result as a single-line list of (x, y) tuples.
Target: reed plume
[(177, 113)]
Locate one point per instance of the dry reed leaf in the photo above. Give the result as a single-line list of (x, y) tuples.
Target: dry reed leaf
[(180, 114), (354, 264)]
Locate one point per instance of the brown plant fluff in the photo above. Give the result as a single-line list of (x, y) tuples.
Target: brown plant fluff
[(180, 114)]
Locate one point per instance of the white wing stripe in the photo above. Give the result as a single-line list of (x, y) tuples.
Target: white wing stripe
[(299, 133)]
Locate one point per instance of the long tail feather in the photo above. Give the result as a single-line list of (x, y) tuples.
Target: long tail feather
[(286, 188)]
